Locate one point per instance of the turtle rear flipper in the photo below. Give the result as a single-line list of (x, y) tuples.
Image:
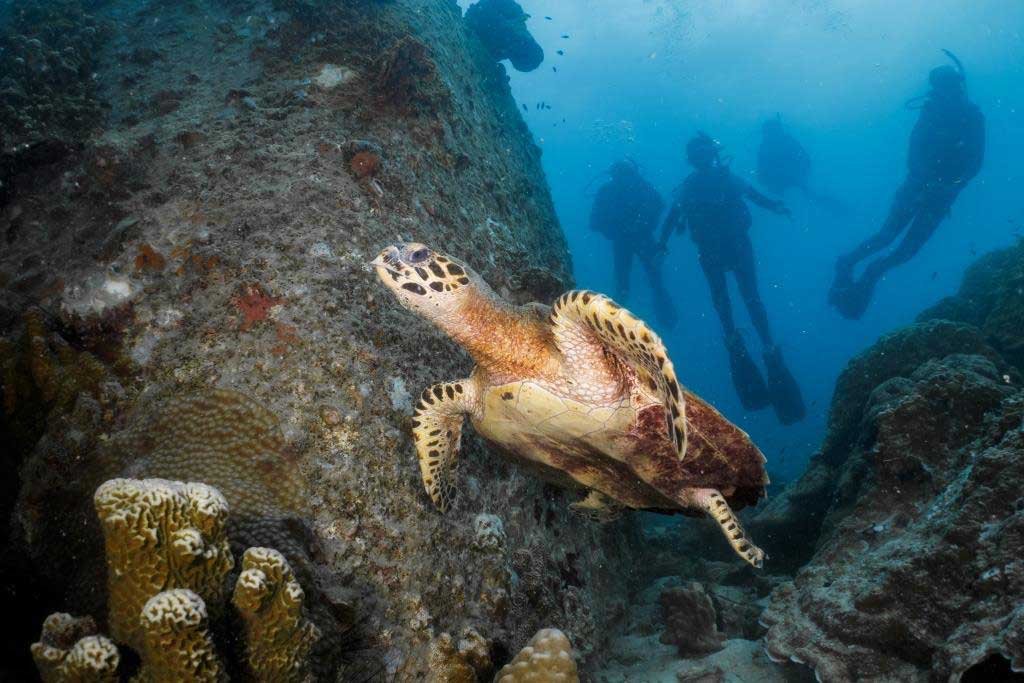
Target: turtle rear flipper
[(581, 316), (437, 431), (714, 504)]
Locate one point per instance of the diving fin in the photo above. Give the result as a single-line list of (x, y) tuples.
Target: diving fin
[(848, 297), (785, 392), (746, 378), (851, 299)]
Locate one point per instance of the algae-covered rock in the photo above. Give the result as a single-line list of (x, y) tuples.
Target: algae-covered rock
[(690, 620), (278, 637), (915, 572), (161, 535)]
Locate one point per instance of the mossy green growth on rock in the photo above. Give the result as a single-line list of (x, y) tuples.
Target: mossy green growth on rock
[(161, 535), (69, 651), (278, 637)]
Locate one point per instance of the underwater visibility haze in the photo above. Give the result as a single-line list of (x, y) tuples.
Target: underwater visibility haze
[(512, 340)]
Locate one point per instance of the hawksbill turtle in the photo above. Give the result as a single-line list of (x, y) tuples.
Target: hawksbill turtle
[(583, 393)]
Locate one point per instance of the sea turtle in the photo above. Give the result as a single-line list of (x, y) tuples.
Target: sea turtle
[(582, 392)]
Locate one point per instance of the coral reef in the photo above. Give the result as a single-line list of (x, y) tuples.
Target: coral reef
[(69, 651), (501, 26), (176, 641), (277, 634), (690, 620), (547, 657), (160, 535), (918, 573)]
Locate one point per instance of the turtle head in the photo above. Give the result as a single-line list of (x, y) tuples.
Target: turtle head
[(425, 281)]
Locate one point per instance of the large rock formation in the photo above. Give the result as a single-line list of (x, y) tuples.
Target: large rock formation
[(908, 527), (210, 230)]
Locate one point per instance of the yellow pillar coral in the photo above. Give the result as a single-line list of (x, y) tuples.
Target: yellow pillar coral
[(547, 658), (278, 636), (68, 651), (161, 535), (177, 647)]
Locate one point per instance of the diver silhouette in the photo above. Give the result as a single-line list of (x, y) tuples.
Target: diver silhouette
[(783, 164), (947, 148), (711, 203), (626, 211)]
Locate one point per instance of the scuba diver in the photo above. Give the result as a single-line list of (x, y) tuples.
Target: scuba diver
[(711, 203), (783, 163), (947, 147), (626, 211)]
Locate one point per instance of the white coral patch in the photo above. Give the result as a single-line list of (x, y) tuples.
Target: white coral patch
[(332, 75), (399, 395)]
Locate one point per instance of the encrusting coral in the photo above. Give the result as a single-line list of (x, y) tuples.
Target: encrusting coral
[(176, 640), (547, 658), (69, 651), (160, 535), (278, 636), (690, 620), (226, 440)]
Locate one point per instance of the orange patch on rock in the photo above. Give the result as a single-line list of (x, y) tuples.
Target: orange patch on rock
[(365, 165), (254, 304), (287, 337), (149, 259)]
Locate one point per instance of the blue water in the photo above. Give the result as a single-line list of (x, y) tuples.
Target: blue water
[(640, 78)]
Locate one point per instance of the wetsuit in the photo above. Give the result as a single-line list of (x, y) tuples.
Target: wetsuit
[(626, 211), (711, 203), (947, 148), (782, 162)]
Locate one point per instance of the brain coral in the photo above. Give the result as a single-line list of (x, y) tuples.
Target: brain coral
[(159, 535), (176, 640), (227, 440), (68, 651), (278, 636), (547, 658)]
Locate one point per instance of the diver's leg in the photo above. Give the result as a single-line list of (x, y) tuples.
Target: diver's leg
[(904, 205), (622, 257), (746, 278), (932, 212), (714, 504), (666, 308), (715, 274)]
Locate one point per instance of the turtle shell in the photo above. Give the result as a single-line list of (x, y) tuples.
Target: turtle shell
[(622, 449)]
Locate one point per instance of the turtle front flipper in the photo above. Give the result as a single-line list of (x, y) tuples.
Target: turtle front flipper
[(714, 504), (437, 432), (580, 317), (597, 507)]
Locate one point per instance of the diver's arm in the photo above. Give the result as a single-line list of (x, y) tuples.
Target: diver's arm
[(764, 201), (676, 218)]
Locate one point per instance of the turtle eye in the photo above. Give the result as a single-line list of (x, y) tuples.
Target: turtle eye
[(419, 256)]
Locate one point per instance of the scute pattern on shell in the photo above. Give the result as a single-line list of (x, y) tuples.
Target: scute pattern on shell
[(635, 344)]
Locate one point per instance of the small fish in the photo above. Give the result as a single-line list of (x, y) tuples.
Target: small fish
[(554, 68), (935, 274), (561, 52), (525, 108), (565, 36), (548, 18)]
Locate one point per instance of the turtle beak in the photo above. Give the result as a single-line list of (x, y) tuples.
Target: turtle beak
[(385, 262)]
